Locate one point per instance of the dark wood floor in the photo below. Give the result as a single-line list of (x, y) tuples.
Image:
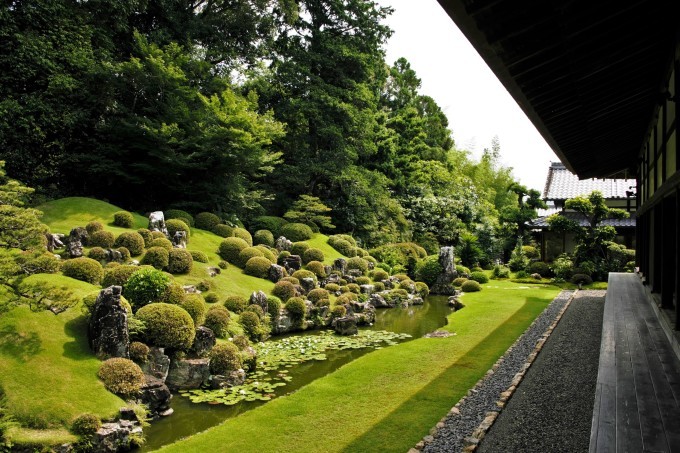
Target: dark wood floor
[(637, 400)]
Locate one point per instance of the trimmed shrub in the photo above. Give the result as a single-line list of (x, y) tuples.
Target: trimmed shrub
[(179, 214), (284, 290), (236, 303), (312, 254), (362, 281), (161, 242), (338, 311), (118, 275), (175, 225), (258, 266), (296, 307), (521, 274), (303, 273), (205, 285), (132, 241), (479, 277), (86, 425), (422, 289), (342, 246), (173, 294), (462, 269), (211, 298), (223, 230), (354, 288), (297, 232), (93, 226), (317, 294), (291, 279), (241, 342), (257, 310), (139, 352), (322, 303), (157, 235), (299, 248), (217, 319), (246, 254), (267, 252), (282, 256), (123, 219), (146, 235), (194, 304), (230, 248), (198, 256), (379, 286), (84, 269), (224, 358), (157, 257), (582, 279), (458, 282), (471, 286), (124, 254), (271, 223), (501, 272), (101, 238), (357, 263), (145, 286), (121, 376), (361, 252), (223, 264), (539, 267), (273, 306), (167, 326), (264, 237), (97, 253), (317, 268), (429, 269), (206, 221), (243, 234), (346, 298), (251, 325), (530, 252), (180, 261), (332, 287), (380, 275)]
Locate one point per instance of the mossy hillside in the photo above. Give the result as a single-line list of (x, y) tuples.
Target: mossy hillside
[(67, 213), (396, 394)]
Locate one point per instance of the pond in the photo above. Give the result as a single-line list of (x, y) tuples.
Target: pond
[(190, 418)]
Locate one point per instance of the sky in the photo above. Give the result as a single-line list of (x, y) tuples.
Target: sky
[(455, 76)]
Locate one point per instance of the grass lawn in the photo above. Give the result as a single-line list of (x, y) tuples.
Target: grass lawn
[(48, 371), (67, 213), (389, 399)]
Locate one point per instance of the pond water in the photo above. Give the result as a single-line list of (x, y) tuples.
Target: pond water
[(190, 418)]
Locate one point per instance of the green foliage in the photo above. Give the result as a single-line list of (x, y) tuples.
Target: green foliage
[(469, 251), (84, 269), (144, 286), (246, 254), (211, 298), (267, 252), (581, 279), (317, 294), (422, 289), (310, 210), (379, 275), (518, 260), (146, 235), (471, 286), (251, 325), (207, 221), (180, 261), (296, 308), (479, 277), (118, 275), (362, 281), (458, 282), (223, 230), (270, 223), (258, 266), (121, 376), (236, 303), (167, 326), (562, 267), (304, 273), (194, 304), (223, 264), (284, 290), (217, 319), (427, 270), (123, 219), (264, 237), (531, 252), (157, 257), (93, 227), (315, 267), (312, 254), (175, 225), (342, 245), (101, 238), (139, 352), (179, 214), (296, 232), (273, 306), (132, 241), (198, 256), (254, 308), (161, 242), (357, 263), (224, 358), (500, 272), (338, 311), (299, 248), (243, 234), (539, 267), (86, 425), (230, 248), (97, 253)]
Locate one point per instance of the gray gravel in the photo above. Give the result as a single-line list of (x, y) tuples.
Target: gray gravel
[(472, 411)]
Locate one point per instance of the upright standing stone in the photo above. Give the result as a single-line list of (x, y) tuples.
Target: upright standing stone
[(444, 282), (157, 222), (108, 329), (77, 238)]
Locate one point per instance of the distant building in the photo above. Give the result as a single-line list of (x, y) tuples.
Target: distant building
[(561, 185)]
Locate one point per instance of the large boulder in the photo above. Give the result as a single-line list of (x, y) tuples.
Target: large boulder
[(114, 437), (292, 263), (378, 301), (155, 395), (179, 239), (283, 244), (259, 298), (340, 265), (283, 323), (346, 326), (108, 329), (307, 284), (77, 238), (367, 289), (54, 241), (276, 272), (444, 282), (157, 222), (234, 378), (188, 373), (157, 364), (203, 341)]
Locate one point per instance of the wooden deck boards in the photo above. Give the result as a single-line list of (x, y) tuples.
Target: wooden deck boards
[(637, 404)]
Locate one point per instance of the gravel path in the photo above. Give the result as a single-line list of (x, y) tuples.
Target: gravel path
[(450, 437)]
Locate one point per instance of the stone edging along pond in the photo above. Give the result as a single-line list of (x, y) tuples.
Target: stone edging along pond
[(469, 437)]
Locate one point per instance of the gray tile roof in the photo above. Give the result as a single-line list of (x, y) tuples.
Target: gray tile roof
[(562, 184), (541, 222)]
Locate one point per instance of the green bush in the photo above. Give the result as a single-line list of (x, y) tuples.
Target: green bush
[(211, 298), (198, 256), (179, 214), (471, 286), (273, 306), (217, 319), (101, 238), (206, 221), (243, 234), (299, 248), (317, 294), (521, 274), (563, 267), (342, 246), (157, 257), (251, 325), (146, 235), (224, 358), (194, 304), (161, 242), (223, 230), (312, 254), (173, 294), (429, 269), (205, 285), (363, 281), (500, 272), (223, 264), (124, 254), (317, 268), (84, 269), (379, 286), (236, 303), (581, 279), (479, 277), (121, 376), (157, 235), (93, 227), (458, 282), (258, 266), (86, 425), (264, 237), (118, 275), (354, 288), (246, 254), (296, 308), (230, 248), (380, 275), (303, 273), (132, 241), (338, 311), (271, 223), (539, 267), (180, 261), (422, 289), (297, 232), (357, 263), (291, 279), (123, 219), (332, 287), (284, 290), (267, 252), (346, 298), (462, 270), (139, 352), (175, 225), (145, 286), (530, 252), (97, 253), (241, 342), (167, 326), (322, 303)]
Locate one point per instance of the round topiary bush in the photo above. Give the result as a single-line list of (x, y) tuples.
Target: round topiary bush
[(206, 221), (258, 266), (93, 226), (198, 256), (343, 246), (146, 235), (501, 272), (101, 238), (479, 277), (268, 252), (271, 223), (471, 286), (173, 294), (257, 310), (230, 248), (97, 253), (121, 376), (332, 287), (167, 326), (225, 358), (291, 279), (157, 257), (297, 232), (161, 242), (179, 214), (530, 251), (264, 237), (86, 425), (217, 319), (428, 269), (380, 286), (273, 306), (462, 270), (241, 342), (251, 325), (362, 281), (139, 352), (354, 288), (357, 263), (211, 298), (582, 279), (299, 248), (84, 269), (346, 298), (124, 254), (296, 308), (223, 264), (317, 294), (175, 225), (303, 273), (144, 286), (317, 268), (243, 234), (246, 254), (458, 282), (312, 254), (236, 303), (539, 267), (132, 241), (380, 275), (123, 219), (180, 261), (338, 311), (284, 290), (118, 275), (223, 230), (194, 304)]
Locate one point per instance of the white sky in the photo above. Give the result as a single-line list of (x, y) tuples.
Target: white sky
[(455, 76)]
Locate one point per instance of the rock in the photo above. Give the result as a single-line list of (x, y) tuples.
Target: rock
[(346, 326), (283, 244), (157, 364), (155, 395), (438, 334), (54, 241), (443, 284), (108, 330), (114, 437), (191, 289), (188, 373), (332, 278), (299, 290), (536, 276), (354, 273), (378, 301), (340, 265), (232, 379), (77, 238), (307, 284), (283, 324), (167, 413), (367, 289), (203, 342), (213, 271), (409, 286), (259, 298), (416, 300), (157, 222), (114, 255), (276, 273), (179, 239), (292, 263)]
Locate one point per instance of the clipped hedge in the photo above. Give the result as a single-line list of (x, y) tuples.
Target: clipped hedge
[(83, 269), (132, 241), (157, 257), (296, 308), (267, 252), (343, 246), (297, 232), (145, 233), (317, 268), (97, 253), (471, 286), (479, 277), (198, 256), (206, 221), (299, 248), (246, 254), (317, 294), (236, 303), (118, 275), (161, 242), (357, 263), (180, 261), (93, 227), (167, 326), (101, 238), (175, 225), (86, 425), (194, 304), (264, 237), (123, 219), (223, 230), (271, 223), (230, 248), (284, 290)]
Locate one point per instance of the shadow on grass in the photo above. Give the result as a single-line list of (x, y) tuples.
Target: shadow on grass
[(77, 348), (405, 426), (19, 345)]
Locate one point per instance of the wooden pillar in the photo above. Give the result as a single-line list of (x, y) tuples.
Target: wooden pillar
[(677, 258), (657, 248), (668, 252)]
